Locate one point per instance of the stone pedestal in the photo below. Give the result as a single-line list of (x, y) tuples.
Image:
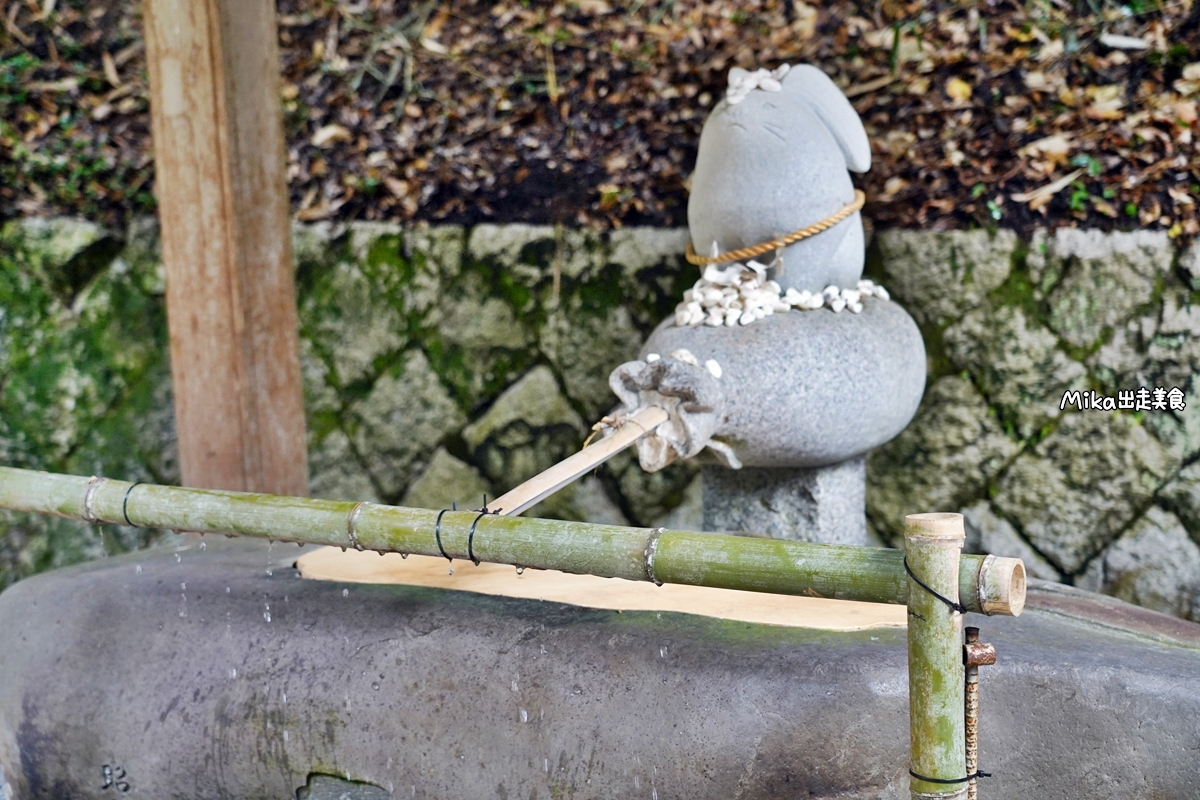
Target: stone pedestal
[(819, 504)]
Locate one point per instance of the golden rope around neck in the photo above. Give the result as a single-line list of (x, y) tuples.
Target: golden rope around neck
[(795, 236)]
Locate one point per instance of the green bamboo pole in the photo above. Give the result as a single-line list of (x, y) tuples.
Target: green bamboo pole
[(865, 574), (935, 657)]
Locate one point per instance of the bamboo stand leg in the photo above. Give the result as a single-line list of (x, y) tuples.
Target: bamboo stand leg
[(935, 657)]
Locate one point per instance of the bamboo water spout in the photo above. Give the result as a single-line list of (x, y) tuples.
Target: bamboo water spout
[(986, 584)]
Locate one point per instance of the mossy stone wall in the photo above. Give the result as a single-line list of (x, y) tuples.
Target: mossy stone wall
[(442, 363)]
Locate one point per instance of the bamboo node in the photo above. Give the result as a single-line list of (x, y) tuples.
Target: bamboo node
[(352, 523), (89, 498), (651, 549)]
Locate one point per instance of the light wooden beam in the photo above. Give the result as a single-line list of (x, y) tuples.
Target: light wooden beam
[(221, 184)]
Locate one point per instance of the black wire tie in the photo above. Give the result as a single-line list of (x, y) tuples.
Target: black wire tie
[(125, 505), (978, 774), (959, 607), (437, 532)]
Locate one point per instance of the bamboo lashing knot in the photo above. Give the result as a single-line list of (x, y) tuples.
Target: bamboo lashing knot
[(611, 422), (860, 199), (351, 525), (483, 512), (649, 552), (89, 497), (958, 607)]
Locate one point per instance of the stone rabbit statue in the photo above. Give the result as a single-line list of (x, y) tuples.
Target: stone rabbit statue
[(773, 158)]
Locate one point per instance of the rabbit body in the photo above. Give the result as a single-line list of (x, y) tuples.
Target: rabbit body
[(771, 162)]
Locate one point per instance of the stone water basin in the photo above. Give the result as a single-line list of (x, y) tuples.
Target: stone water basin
[(222, 673)]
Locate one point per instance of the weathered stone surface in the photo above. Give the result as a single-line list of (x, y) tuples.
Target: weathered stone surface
[(1173, 354), (336, 471), (1154, 564), (1182, 497), (822, 504), (939, 276), (1017, 365), (798, 389), (778, 161), (349, 322), (1102, 279), (943, 460), (584, 348), (421, 691), (328, 787), (649, 496), (586, 500), (638, 249), (989, 533), (445, 481), (529, 428), (1079, 487), (689, 514), (398, 425)]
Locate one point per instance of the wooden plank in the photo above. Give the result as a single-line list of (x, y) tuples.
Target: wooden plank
[(222, 194)]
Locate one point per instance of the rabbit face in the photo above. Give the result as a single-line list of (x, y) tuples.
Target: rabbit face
[(771, 162)]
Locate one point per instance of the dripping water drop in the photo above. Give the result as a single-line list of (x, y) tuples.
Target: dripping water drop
[(345, 592)]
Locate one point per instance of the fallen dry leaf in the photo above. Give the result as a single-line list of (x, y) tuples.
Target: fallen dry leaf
[(331, 134), (958, 90)]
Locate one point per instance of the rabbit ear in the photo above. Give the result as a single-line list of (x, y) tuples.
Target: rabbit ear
[(824, 97)]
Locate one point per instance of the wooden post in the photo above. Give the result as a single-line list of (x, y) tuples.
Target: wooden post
[(221, 186), (932, 545)]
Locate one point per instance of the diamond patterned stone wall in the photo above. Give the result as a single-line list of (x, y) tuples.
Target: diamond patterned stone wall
[(443, 363)]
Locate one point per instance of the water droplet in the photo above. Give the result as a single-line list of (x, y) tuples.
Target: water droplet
[(451, 572), (183, 586), (545, 765), (653, 793), (375, 686), (226, 590), (520, 570), (285, 697), (637, 782), (524, 715), (203, 545), (662, 651), (544, 650), (267, 615), (345, 592), (137, 570), (232, 673), (286, 736), (178, 558), (514, 685), (404, 555)]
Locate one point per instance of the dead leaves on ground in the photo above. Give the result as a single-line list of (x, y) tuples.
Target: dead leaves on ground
[(588, 112)]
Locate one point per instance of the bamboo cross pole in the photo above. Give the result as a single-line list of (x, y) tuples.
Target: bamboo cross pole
[(988, 584)]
